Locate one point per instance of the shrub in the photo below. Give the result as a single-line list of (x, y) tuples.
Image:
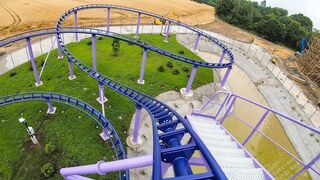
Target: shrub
[(89, 43), (169, 64), (161, 68), (175, 71), (115, 47), (181, 52), (50, 148), (47, 170), (12, 74), (185, 69), (99, 38)]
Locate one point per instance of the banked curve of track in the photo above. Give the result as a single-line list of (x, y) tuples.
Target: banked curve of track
[(167, 125), (75, 103), (92, 31)]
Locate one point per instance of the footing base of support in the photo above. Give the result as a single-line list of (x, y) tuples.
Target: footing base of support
[(218, 87), (60, 57), (166, 41), (131, 144), (105, 138), (39, 84), (71, 78), (185, 95), (140, 82), (137, 37), (104, 100), (52, 112)]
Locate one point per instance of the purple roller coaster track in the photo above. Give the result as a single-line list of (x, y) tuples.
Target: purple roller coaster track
[(220, 153)]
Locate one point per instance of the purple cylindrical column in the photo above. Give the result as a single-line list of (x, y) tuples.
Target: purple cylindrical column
[(263, 117), (197, 42), (168, 30), (136, 125), (138, 24), (225, 77), (108, 20), (193, 73), (51, 109), (144, 57), (94, 49), (71, 75), (104, 167), (101, 99), (59, 48), (33, 63), (221, 57), (228, 109), (76, 23)]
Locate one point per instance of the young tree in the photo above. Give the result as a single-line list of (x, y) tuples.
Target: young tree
[(303, 20), (115, 47)]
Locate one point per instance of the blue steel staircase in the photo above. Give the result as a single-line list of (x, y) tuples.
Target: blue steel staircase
[(234, 160)]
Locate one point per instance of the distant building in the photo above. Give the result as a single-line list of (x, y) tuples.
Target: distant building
[(263, 3)]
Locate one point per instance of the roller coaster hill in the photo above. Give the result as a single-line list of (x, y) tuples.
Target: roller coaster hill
[(179, 141)]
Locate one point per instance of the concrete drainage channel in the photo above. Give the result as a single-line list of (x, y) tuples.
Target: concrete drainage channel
[(274, 92)]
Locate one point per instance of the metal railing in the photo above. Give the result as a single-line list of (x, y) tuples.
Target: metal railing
[(227, 105)]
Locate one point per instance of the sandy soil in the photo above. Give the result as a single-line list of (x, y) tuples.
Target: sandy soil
[(23, 15)]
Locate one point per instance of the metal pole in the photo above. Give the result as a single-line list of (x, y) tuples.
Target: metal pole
[(224, 80), (222, 57), (313, 161), (168, 30), (144, 57), (197, 42), (60, 56), (94, 52), (228, 109), (193, 73), (33, 63), (136, 125), (108, 20), (101, 99), (138, 24), (263, 117), (76, 23), (71, 75), (51, 109)]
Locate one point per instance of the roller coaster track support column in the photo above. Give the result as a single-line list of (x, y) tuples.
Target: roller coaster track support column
[(108, 20), (135, 140), (167, 33), (187, 91), (71, 75), (196, 42), (138, 24), (51, 109), (76, 24), (105, 133), (143, 64), (222, 57), (101, 99), (94, 52), (225, 77), (33, 63), (60, 56)]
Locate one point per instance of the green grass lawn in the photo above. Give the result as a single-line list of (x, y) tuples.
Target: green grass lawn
[(74, 134)]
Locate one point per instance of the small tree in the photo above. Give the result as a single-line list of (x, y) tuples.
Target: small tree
[(50, 148), (47, 170), (115, 47)]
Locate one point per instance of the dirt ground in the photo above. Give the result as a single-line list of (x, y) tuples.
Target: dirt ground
[(24, 15), (236, 33)]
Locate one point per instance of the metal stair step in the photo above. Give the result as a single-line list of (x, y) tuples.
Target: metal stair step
[(244, 174), (209, 130), (210, 136), (201, 119), (240, 162), (221, 143), (226, 152)]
